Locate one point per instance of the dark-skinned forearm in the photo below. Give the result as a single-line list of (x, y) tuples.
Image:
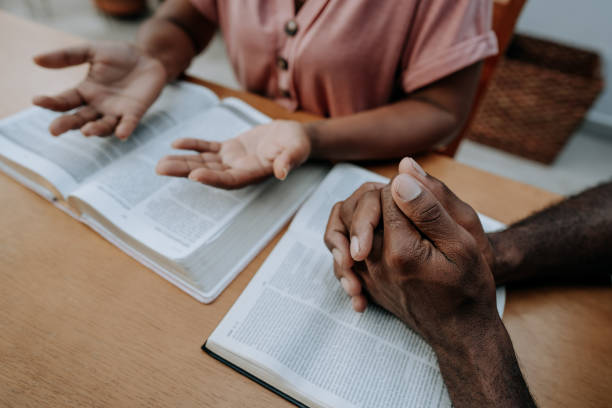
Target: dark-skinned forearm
[(175, 35), (570, 240), (427, 117), (482, 371)]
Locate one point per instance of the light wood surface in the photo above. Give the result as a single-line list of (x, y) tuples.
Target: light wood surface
[(82, 324)]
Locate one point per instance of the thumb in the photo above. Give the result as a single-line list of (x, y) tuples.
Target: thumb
[(427, 214), (287, 160), (459, 210)]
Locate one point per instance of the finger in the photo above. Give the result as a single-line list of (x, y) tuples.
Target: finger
[(214, 166), (453, 204), (210, 158), (427, 214), (73, 120), (450, 201), (65, 57), (409, 166), (286, 161), (349, 205), (182, 166), (401, 244), (228, 179), (199, 158), (61, 102), (458, 209), (127, 125), (198, 145), (101, 127), (365, 220), (350, 283), (336, 238), (348, 279), (359, 303), (179, 165)]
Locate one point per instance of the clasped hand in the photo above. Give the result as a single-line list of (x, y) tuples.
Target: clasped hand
[(416, 250)]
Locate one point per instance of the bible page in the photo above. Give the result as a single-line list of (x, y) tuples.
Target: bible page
[(294, 324), (295, 327), (172, 216), (68, 160), (339, 184)]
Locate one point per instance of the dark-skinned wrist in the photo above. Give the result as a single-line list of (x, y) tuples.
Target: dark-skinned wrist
[(480, 369), (467, 327), (461, 338), (507, 257)]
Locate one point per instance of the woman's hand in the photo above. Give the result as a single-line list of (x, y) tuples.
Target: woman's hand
[(271, 149), (122, 83)]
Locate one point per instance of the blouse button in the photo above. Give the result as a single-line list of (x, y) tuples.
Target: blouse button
[(282, 63), (291, 28)]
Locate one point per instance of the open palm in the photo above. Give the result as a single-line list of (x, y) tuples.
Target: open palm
[(271, 149), (121, 84)]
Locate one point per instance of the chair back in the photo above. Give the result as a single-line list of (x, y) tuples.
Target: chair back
[(505, 16)]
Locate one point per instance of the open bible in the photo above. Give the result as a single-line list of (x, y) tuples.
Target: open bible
[(195, 236), (293, 329)]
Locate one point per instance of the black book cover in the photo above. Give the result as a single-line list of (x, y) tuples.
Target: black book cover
[(252, 377)]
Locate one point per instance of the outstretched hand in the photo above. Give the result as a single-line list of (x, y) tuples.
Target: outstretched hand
[(271, 149), (121, 84)]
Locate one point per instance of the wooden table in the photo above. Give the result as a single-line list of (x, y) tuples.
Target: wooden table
[(82, 324)]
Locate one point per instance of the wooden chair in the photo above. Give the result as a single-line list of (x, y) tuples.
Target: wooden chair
[(505, 16)]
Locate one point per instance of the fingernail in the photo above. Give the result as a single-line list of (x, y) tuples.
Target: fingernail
[(192, 177), (406, 187), (337, 256), (416, 167), (355, 304), (345, 285), (284, 173), (354, 246)]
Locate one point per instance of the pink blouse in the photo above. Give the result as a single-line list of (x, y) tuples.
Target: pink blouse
[(340, 57)]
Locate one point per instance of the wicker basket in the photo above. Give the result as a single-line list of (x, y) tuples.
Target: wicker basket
[(537, 98)]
